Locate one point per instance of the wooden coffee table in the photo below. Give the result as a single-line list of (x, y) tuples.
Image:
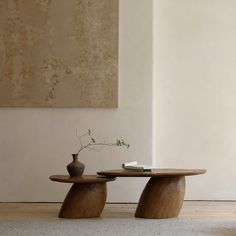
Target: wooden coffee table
[(86, 198), (163, 195)]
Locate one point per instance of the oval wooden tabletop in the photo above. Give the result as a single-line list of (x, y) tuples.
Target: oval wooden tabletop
[(84, 179), (155, 172)]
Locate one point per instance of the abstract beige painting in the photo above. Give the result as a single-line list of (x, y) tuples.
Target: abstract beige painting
[(59, 53)]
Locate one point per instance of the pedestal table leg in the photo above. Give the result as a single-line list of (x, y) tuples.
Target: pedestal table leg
[(161, 198), (84, 201)]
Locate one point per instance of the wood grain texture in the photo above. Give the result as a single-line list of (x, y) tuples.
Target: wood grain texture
[(161, 198), (156, 172), (59, 53), (84, 201), (163, 195), (84, 179), (86, 198), (204, 210)]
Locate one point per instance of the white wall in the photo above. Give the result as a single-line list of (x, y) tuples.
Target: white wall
[(35, 143), (196, 92)]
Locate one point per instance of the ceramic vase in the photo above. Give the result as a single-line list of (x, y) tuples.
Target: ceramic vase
[(75, 168)]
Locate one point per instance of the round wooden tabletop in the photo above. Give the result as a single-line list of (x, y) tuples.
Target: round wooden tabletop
[(154, 173), (84, 179)]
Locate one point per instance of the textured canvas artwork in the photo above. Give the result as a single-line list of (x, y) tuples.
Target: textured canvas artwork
[(59, 53)]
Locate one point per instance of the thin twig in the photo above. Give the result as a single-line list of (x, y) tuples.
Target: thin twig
[(93, 143), (78, 138), (94, 149)]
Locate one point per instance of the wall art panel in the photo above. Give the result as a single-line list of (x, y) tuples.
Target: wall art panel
[(59, 53)]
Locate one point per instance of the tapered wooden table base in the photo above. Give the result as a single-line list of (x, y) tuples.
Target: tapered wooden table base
[(161, 198), (86, 198), (163, 195)]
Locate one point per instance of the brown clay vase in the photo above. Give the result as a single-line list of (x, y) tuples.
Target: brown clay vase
[(75, 168)]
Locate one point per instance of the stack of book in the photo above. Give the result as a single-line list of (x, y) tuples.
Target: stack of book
[(134, 166)]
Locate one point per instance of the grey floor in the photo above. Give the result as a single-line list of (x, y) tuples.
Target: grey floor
[(196, 218)]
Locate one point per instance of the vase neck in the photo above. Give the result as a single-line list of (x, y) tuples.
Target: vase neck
[(75, 157)]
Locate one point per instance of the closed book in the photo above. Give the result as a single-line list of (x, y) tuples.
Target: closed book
[(134, 166)]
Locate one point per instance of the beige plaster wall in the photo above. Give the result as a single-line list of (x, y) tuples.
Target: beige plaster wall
[(196, 93), (35, 143), (59, 53)]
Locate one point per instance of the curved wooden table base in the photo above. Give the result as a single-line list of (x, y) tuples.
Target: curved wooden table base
[(163, 195), (161, 198), (86, 198), (84, 201)]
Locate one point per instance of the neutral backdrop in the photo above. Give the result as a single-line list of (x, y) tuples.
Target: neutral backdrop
[(196, 92), (36, 143), (190, 47)]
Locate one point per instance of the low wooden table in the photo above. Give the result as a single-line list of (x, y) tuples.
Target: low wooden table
[(86, 198), (163, 195)]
